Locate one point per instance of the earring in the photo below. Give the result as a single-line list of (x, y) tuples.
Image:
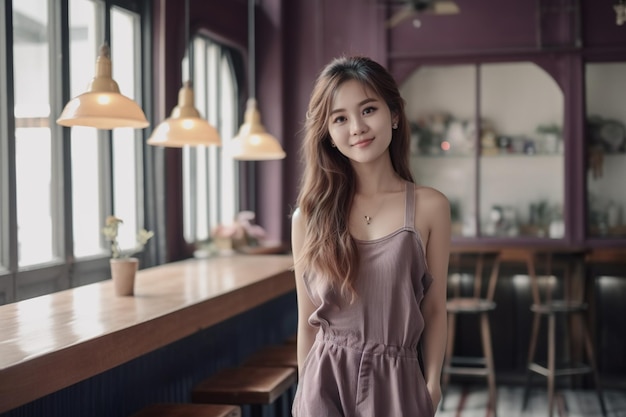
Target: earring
[(333, 144), (394, 126)]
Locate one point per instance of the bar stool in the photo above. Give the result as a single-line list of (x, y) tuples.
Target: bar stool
[(189, 410), (480, 304), (282, 356), (253, 388), (275, 355), (544, 305), (606, 272)]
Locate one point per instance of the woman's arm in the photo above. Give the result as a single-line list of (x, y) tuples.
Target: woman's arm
[(306, 332), (435, 209)]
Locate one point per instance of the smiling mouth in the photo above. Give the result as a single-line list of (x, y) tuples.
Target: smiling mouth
[(363, 143)]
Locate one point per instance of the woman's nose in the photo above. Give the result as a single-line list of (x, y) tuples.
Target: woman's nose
[(357, 126)]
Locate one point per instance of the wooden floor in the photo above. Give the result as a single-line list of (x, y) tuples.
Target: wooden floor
[(471, 402)]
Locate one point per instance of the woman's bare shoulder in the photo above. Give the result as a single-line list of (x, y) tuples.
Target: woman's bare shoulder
[(429, 198), (297, 219), (296, 215)]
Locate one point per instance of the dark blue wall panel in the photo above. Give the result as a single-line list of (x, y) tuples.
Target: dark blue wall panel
[(168, 374)]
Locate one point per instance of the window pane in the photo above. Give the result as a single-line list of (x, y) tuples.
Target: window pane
[(228, 123), (606, 149), (125, 56), (33, 142), (86, 192), (125, 186), (210, 188), (86, 162)]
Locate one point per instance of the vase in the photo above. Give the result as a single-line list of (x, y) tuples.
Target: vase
[(123, 271)]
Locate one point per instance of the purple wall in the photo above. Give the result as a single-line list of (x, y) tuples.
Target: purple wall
[(297, 37)]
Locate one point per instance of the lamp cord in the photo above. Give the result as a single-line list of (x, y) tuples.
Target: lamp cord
[(188, 48), (107, 23), (251, 49)]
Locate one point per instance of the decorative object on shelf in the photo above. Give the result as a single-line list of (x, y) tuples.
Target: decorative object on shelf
[(603, 136), (613, 215), (605, 216), (502, 221), (103, 106), (610, 134), (412, 8), (253, 142), (620, 12), (123, 266), (504, 144), (442, 134), (551, 137), (185, 126), (613, 135), (488, 139)]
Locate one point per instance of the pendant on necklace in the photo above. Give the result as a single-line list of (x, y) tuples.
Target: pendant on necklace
[(368, 219)]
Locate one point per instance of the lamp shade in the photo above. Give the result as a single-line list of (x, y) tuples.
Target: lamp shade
[(185, 127), (102, 106), (252, 142)]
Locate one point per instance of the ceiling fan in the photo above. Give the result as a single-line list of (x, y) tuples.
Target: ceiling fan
[(414, 7)]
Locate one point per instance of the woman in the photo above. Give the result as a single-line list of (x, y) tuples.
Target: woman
[(371, 255)]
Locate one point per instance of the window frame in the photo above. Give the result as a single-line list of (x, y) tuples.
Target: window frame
[(19, 283)]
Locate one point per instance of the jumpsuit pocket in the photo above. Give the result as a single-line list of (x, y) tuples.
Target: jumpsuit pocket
[(362, 383), (427, 396)]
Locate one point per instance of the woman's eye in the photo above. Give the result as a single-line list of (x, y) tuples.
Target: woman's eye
[(339, 119), (369, 110)]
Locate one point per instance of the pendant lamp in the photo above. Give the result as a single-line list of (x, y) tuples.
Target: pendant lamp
[(185, 126), (252, 142), (103, 106)]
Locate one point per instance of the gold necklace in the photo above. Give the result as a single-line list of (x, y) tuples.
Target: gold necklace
[(369, 219)]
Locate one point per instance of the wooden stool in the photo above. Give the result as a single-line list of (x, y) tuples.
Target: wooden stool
[(276, 355), (547, 305), (189, 410), (256, 388), (480, 304)]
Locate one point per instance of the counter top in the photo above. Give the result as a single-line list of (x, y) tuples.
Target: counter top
[(50, 342)]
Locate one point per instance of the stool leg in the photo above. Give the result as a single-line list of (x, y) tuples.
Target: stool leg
[(531, 356), (488, 354), (592, 361), (551, 361), (448, 359)]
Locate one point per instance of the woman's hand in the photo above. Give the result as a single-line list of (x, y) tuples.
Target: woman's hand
[(435, 394)]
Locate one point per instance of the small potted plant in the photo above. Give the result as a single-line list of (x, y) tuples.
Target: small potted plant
[(123, 266), (551, 135)]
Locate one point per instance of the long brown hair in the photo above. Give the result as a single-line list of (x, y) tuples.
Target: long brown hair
[(328, 183)]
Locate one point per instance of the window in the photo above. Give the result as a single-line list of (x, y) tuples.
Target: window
[(58, 185), (127, 143), (210, 178), (87, 168), (37, 206), (98, 155)]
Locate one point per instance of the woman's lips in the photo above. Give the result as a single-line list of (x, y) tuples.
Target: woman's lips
[(363, 143)]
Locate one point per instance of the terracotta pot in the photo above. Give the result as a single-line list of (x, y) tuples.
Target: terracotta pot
[(123, 272)]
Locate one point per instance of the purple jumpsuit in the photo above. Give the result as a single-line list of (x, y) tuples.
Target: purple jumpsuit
[(364, 361)]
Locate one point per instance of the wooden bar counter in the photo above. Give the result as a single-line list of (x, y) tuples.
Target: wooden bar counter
[(50, 342)]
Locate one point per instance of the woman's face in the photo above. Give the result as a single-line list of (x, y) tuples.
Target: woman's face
[(360, 123)]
